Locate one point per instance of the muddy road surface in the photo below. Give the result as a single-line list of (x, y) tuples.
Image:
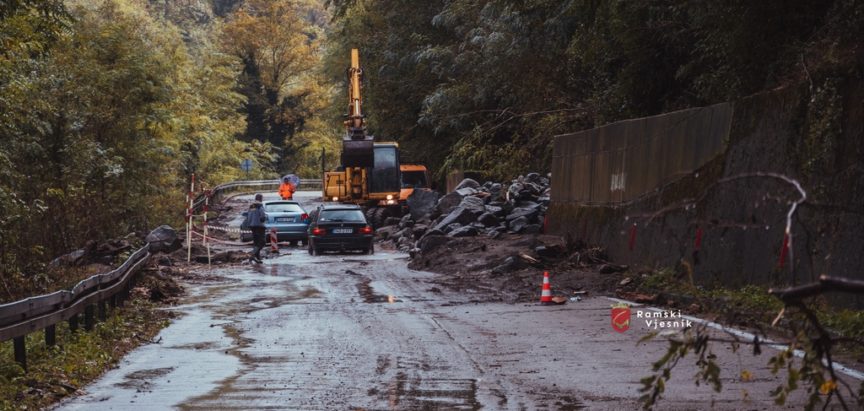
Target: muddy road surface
[(352, 332)]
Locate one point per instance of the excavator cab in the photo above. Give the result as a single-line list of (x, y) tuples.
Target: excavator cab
[(414, 177)]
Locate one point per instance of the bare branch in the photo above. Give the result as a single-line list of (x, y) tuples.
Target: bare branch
[(826, 283)]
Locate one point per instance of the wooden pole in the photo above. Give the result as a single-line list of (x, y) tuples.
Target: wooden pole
[(206, 231), (50, 335), (103, 311), (89, 319), (73, 323), (21, 351)]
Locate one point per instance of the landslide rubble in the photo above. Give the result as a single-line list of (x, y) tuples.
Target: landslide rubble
[(471, 209)]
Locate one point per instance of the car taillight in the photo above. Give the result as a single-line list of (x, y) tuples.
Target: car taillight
[(317, 231), (304, 216), (366, 230)]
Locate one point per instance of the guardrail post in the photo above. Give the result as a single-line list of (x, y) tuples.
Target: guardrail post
[(51, 335), (88, 317), (73, 323), (21, 351), (103, 311)]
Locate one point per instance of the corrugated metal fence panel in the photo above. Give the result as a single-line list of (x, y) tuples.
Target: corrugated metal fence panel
[(622, 161)]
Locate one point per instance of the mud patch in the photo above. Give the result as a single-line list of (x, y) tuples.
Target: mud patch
[(209, 345), (383, 364), (366, 291), (430, 394), (140, 380), (568, 403)]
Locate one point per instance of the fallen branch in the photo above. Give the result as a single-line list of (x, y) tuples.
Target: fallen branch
[(824, 284)]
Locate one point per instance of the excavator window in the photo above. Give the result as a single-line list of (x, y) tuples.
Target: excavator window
[(414, 179), (384, 177)]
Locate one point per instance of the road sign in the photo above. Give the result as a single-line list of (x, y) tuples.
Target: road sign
[(246, 165)]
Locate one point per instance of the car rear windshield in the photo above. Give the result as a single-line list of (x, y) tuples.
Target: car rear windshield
[(347, 216), (282, 208)]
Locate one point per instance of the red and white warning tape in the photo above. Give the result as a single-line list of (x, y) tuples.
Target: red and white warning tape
[(227, 229), (227, 242), (217, 240)]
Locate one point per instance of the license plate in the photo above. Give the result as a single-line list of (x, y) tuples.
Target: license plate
[(284, 219), (342, 231)]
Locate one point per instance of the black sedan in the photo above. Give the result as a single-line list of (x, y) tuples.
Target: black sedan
[(340, 227)]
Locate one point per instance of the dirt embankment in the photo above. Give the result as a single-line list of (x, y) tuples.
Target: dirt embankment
[(512, 266)]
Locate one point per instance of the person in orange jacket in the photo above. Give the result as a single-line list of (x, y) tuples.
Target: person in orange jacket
[(286, 190)]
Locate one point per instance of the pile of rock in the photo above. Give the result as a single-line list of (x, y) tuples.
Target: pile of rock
[(472, 209)]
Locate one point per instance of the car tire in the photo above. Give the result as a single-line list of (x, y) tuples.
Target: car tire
[(293, 243), (371, 249)]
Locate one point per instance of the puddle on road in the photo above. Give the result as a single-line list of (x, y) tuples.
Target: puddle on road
[(366, 291)]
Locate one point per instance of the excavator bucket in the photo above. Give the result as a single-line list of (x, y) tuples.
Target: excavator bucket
[(358, 152)]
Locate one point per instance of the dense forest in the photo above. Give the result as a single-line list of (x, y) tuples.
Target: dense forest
[(485, 84), (107, 107)]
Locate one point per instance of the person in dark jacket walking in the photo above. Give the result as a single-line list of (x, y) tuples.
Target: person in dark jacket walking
[(255, 219)]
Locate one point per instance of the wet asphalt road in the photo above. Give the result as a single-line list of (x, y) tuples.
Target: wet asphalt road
[(342, 332)]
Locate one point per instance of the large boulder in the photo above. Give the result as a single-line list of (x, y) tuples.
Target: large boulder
[(460, 215), (469, 183), (431, 242), (391, 221), (385, 232), (509, 264), (488, 219), (495, 191), (466, 191), (75, 258), (163, 239), (418, 230), (530, 213), (467, 231), (518, 224), (451, 227), (447, 203), (474, 204), (431, 233), (406, 221), (496, 210), (421, 203)]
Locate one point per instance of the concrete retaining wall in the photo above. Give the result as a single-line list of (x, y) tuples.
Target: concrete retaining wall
[(741, 217)]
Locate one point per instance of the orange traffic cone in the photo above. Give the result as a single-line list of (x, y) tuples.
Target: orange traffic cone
[(546, 294), (274, 240)]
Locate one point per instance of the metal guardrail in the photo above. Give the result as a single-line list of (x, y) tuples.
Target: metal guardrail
[(215, 193), (17, 319)]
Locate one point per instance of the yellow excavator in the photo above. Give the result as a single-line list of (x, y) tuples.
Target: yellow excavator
[(370, 174)]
